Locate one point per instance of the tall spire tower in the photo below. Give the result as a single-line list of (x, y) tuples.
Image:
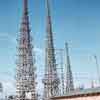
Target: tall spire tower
[(25, 70), (51, 80), (69, 77)]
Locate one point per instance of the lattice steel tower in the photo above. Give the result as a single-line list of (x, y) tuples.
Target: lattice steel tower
[(51, 80), (25, 70), (69, 77)]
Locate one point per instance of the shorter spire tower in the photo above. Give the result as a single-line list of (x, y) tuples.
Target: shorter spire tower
[(69, 77), (51, 80)]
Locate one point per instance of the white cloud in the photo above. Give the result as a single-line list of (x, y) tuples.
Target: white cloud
[(9, 87)]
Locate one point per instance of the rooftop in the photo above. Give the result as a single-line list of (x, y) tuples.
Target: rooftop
[(81, 93)]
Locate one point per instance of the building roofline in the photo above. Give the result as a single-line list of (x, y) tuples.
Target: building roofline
[(80, 93)]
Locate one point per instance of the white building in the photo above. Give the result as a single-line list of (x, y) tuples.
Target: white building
[(87, 94)]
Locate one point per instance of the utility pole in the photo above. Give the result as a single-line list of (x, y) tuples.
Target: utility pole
[(98, 69)]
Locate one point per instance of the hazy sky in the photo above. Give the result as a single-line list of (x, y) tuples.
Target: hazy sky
[(74, 21)]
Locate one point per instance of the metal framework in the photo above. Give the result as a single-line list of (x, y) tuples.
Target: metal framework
[(60, 67), (62, 70), (69, 76), (51, 80), (25, 70)]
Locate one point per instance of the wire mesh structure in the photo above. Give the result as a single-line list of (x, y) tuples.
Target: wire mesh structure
[(25, 69), (60, 69), (51, 80)]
